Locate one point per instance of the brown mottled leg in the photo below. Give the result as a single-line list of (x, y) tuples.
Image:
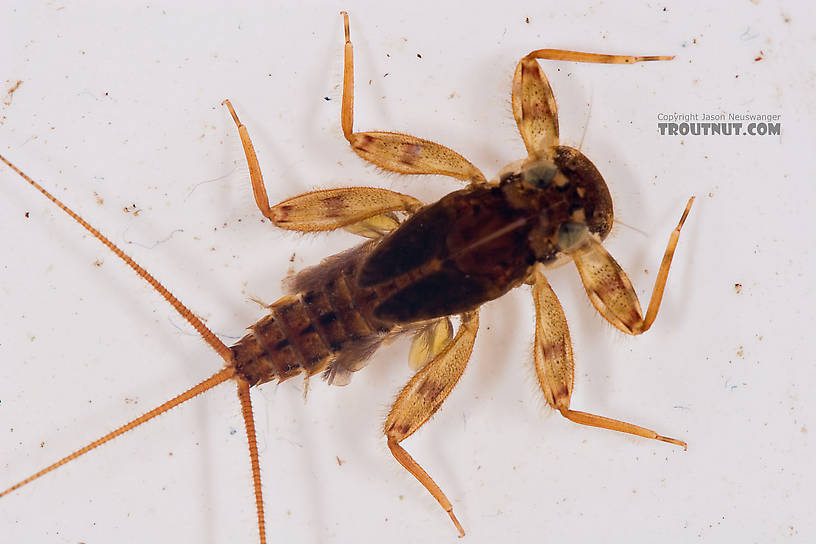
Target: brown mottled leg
[(554, 363), (362, 210), (331, 209), (534, 107), (609, 288), (422, 397), (393, 151)]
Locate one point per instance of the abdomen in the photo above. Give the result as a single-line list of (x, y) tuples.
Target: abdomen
[(327, 325)]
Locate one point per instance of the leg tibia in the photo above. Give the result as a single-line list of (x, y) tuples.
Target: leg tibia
[(594, 58), (583, 418), (392, 151), (554, 363), (404, 459), (422, 397), (258, 189)]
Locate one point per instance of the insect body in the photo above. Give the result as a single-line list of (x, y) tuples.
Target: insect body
[(445, 259), (448, 258)]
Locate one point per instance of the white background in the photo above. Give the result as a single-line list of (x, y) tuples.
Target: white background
[(120, 106)]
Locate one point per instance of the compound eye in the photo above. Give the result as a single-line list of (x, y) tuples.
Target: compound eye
[(539, 176), (571, 234)]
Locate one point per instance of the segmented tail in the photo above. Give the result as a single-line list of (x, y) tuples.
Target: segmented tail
[(223, 351)]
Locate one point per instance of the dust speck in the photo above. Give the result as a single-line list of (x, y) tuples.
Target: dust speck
[(10, 92)]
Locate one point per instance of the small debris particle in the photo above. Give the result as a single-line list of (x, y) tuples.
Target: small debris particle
[(738, 288), (761, 56), (42, 444), (803, 430), (419, 56), (339, 461), (7, 101), (99, 199), (26, 214), (129, 400), (98, 262), (327, 99), (132, 209), (740, 353), (736, 76), (527, 20), (170, 454), (292, 258), (386, 74)]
